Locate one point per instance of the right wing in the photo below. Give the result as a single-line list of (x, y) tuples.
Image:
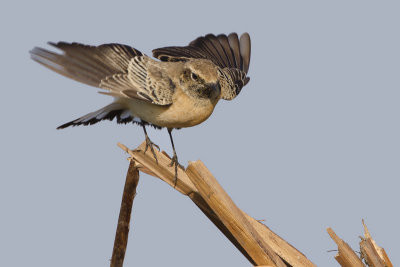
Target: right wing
[(230, 53), (118, 68)]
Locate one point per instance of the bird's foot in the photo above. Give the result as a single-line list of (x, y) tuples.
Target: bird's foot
[(151, 145), (175, 163)]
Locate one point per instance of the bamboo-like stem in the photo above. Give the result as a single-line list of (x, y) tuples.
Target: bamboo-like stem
[(234, 220), (255, 241), (289, 255), (121, 235), (346, 257), (371, 253)]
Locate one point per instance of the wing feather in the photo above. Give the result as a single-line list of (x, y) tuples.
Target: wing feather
[(245, 51), (235, 45), (230, 53), (223, 40), (118, 68)]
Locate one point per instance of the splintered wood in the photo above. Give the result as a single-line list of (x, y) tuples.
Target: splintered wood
[(370, 252), (254, 240)]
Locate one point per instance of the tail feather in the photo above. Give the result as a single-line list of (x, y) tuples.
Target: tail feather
[(109, 112)]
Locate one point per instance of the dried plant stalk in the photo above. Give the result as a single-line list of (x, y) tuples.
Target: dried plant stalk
[(256, 242), (261, 233), (373, 255), (230, 215), (121, 235), (346, 256)]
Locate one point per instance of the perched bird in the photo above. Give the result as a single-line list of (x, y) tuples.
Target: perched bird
[(181, 90)]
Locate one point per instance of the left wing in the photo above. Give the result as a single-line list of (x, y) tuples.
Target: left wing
[(121, 69)]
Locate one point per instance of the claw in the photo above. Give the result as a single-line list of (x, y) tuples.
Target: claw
[(150, 144), (174, 161)]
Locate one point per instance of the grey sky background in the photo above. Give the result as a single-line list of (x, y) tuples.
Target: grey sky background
[(312, 141)]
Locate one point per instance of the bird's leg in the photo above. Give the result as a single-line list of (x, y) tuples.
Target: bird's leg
[(150, 144), (174, 160)]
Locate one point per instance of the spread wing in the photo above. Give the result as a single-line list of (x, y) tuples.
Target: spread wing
[(118, 68), (229, 53)]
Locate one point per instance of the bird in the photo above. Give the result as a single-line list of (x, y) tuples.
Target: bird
[(179, 88)]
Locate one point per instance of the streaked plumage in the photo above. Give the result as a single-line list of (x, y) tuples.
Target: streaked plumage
[(181, 90)]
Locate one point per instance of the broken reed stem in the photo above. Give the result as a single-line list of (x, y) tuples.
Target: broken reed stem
[(255, 240), (121, 235), (371, 253), (258, 231), (230, 215), (346, 257)]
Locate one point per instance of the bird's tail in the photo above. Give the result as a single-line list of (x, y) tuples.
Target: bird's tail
[(114, 110)]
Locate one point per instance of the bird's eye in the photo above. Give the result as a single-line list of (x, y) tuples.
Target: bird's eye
[(194, 76)]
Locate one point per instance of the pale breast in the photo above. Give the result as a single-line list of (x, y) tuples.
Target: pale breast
[(183, 112)]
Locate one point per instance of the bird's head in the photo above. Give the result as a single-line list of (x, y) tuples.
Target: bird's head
[(199, 79)]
